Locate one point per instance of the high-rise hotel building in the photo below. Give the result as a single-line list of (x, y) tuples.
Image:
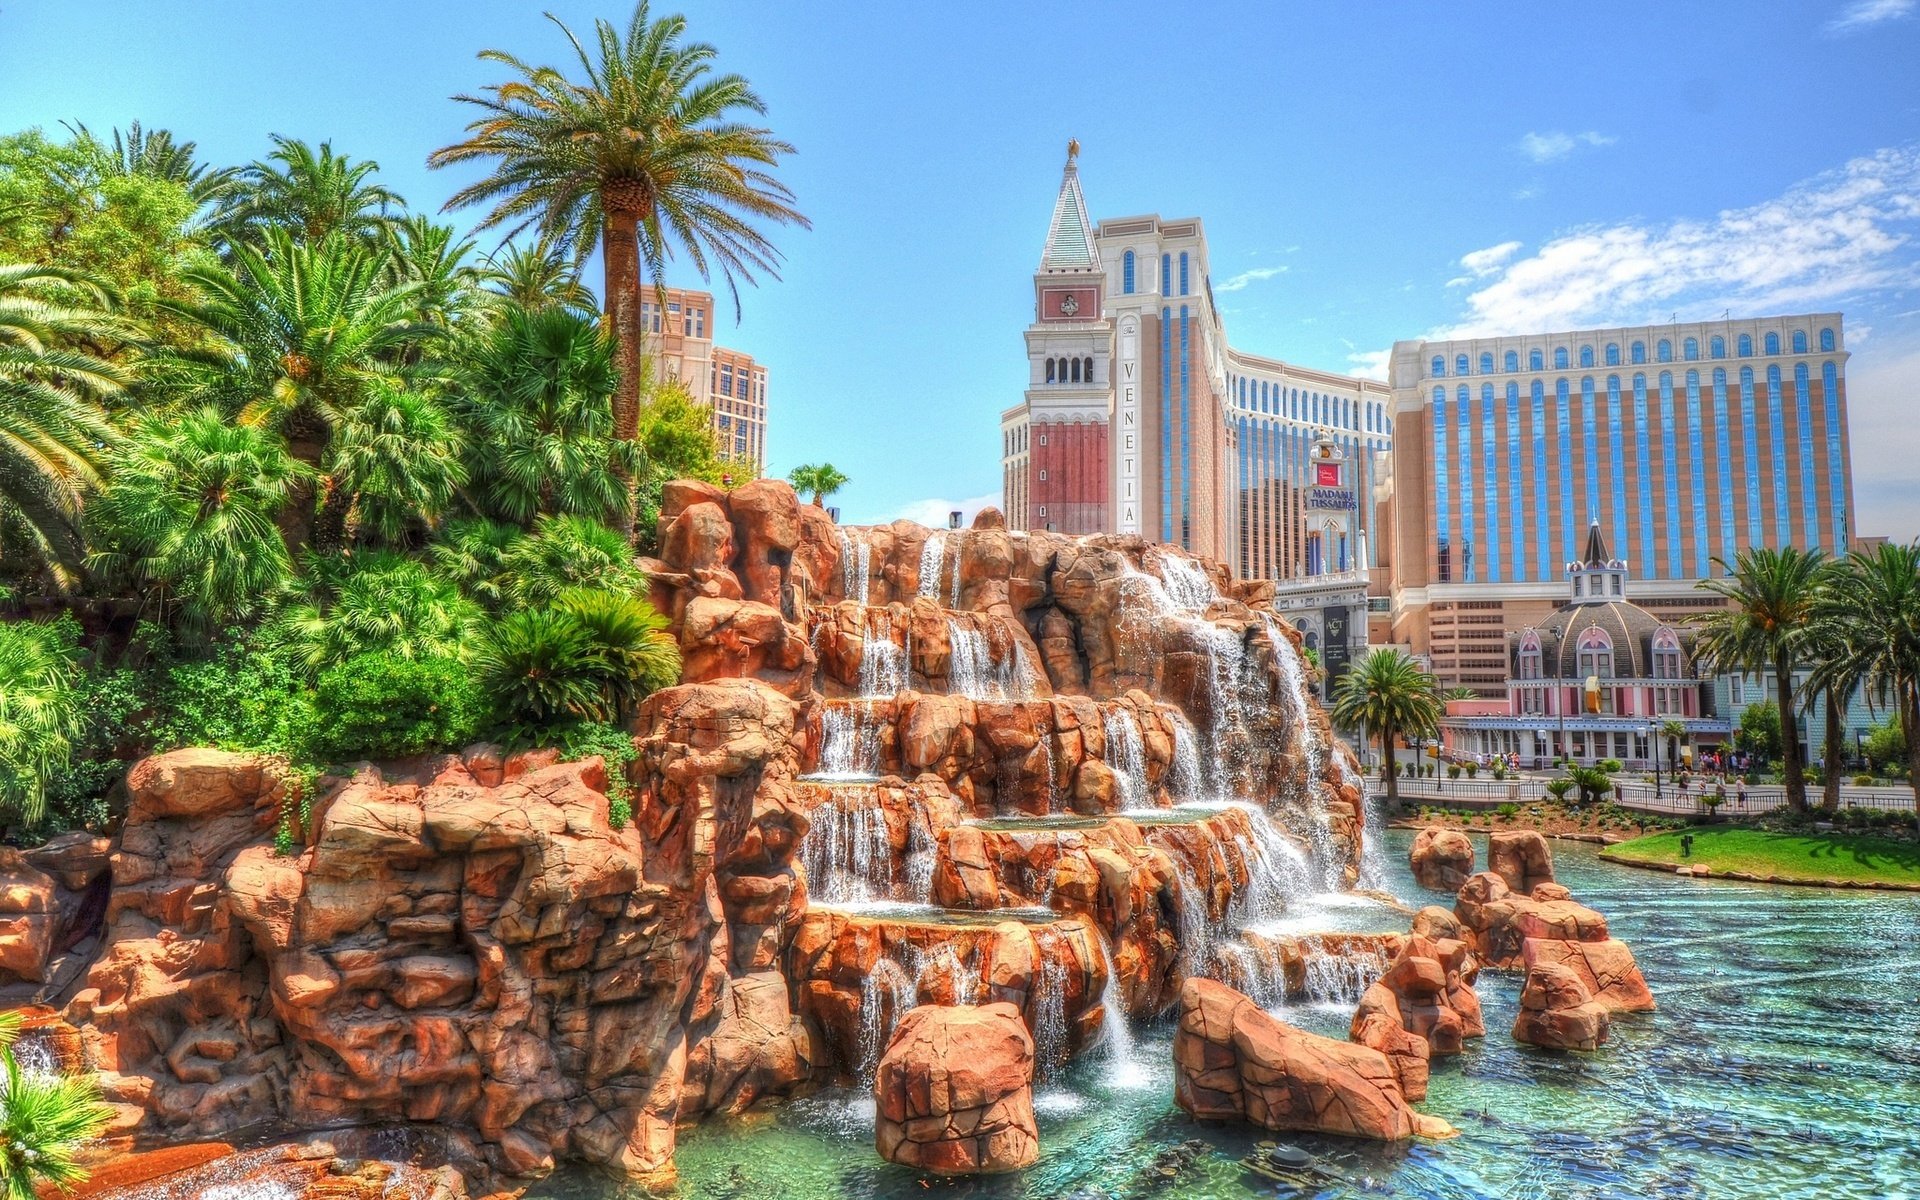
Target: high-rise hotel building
[(676, 332), (1685, 442), (1139, 418)]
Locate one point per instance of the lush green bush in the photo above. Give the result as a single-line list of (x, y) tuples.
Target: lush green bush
[(1508, 811), (239, 699), (1610, 765), (40, 717), (1473, 769), (1863, 781), (375, 602), (1558, 788), (382, 705), (1453, 770)]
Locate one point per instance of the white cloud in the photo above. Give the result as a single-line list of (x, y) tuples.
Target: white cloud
[(933, 512), (1837, 235), (1862, 13), (1237, 282), (1482, 263), (1546, 147), (1370, 364)]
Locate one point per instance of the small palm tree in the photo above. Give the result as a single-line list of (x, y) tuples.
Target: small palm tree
[(566, 552), (40, 716), (1388, 694), (541, 666), (435, 259), (1871, 612), (533, 277), (44, 1120), (397, 454), (189, 516), (52, 424), (823, 481), (639, 655), (644, 155), (1771, 598), (310, 194), (382, 601)]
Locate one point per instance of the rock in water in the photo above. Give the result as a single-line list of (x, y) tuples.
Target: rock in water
[(1232, 1061), (1423, 1005), (1605, 968), (1521, 857), (954, 1092), (1442, 859), (1557, 1011)]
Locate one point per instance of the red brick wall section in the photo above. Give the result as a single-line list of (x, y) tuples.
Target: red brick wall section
[(1074, 492)]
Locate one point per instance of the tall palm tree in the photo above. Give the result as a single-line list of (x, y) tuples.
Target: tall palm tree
[(1772, 596), (311, 194), (189, 516), (157, 154), (1875, 604), (1388, 694), (309, 327), (52, 426), (644, 154), (823, 481)]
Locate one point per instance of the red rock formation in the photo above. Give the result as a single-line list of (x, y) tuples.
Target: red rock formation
[(1499, 922), (954, 1092), (1605, 968), (1424, 1005), (1234, 1062), (1557, 1012), (1521, 857), (1442, 858), (27, 917)]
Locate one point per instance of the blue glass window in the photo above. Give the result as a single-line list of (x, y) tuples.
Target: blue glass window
[(1489, 471), (1746, 345), (1559, 358), (1459, 364), (1518, 571), (1697, 470), (1717, 346), (1664, 350), (1563, 427), (1439, 366), (1750, 449), (1826, 340), (1536, 503), (1486, 361), (1463, 440), (1186, 437), (1643, 456), (1613, 354), (1616, 433), (1126, 273), (1723, 463), (1639, 352), (1442, 493), (1536, 361), (1513, 361), (1166, 414), (1590, 449), (1799, 341), (1777, 427), (1836, 451), (1773, 344), (1809, 499), (1586, 356), (1670, 457), (1183, 273), (1166, 274)]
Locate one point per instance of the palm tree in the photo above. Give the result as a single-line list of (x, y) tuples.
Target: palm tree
[(309, 327), (823, 481), (1836, 675), (566, 552), (536, 276), (397, 454), (311, 194), (44, 1120), (644, 155), (1388, 694), (1772, 596), (189, 516), (632, 640), (433, 257), (156, 154), (382, 601), (470, 552), (540, 666), (40, 717), (1874, 602)]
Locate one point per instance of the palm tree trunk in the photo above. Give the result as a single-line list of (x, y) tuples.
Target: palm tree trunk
[(620, 258), (1909, 694), (306, 442), (1393, 773), (1830, 794), (1789, 737)]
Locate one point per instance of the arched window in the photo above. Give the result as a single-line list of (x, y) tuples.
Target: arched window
[(1529, 655), (1638, 352), (1596, 653), (1513, 361), (1439, 366), (1486, 362), (1050, 370), (1586, 356), (1826, 339), (1460, 364), (1126, 273), (1690, 349), (1717, 346), (1664, 350), (1089, 370), (1074, 370), (1536, 361), (1799, 341), (1183, 273), (1773, 344), (1666, 654), (1613, 354), (1559, 358), (1746, 345)]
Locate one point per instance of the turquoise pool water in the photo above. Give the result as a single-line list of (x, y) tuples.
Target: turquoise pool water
[(1784, 1063)]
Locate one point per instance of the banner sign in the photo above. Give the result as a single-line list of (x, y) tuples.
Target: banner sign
[(1323, 497)]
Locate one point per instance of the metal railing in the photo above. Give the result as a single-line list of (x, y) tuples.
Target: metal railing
[(1636, 794)]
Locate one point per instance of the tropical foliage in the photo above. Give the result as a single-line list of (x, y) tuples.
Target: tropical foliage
[(44, 1120), (820, 481), (1388, 695)]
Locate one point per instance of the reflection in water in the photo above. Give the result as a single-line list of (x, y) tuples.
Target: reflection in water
[(1784, 1062)]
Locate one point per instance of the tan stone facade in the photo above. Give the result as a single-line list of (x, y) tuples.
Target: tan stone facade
[(677, 332)]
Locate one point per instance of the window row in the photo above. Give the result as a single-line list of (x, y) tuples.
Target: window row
[(1128, 287), (1259, 395), (723, 380), (1636, 352), (1070, 370), (691, 322)]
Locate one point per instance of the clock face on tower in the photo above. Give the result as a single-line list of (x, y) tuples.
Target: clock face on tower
[(1068, 305)]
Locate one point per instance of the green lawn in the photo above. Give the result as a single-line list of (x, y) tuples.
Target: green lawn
[(1787, 855)]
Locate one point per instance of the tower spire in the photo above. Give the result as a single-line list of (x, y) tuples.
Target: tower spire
[(1070, 234)]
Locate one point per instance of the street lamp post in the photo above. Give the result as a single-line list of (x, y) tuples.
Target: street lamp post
[(1653, 741)]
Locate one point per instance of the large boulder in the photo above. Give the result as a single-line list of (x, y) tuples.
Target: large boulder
[(1497, 921), (954, 1092), (27, 917), (1232, 1061), (1424, 1005), (1606, 968), (1442, 858), (1557, 1012), (1521, 857)]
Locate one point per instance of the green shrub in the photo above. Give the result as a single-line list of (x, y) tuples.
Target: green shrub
[(1473, 769), (1610, 765), (583, 739), (381, 705), (1863, 781), (237, 700), (1508, 811), (1453, 770), (40, 717), (1558, 788)]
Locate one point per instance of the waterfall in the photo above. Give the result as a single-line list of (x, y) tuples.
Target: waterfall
[(856, 568), (965, 979), (953, 597), (1313, 801), (972, 672), (1196, 924), (1050, 1042), (1188, 783), (1123, 1068), (847, 852), (849, 744), (1339, 979), (922, 853), (1128, 758), (885, 995), (932, 555), (33, 1054), (1278, 873), (1053, 783), (1226, 702), (1187, 585), (883, 663), (1255, 971), (1373, 845)]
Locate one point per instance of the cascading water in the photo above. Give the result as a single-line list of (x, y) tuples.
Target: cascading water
[(1313, 804), (953, 594), (1050, 1044), (33, 1054), (849, 744), (1339, 979), (1254, 972), (1127, 756), (922, 851), (1196, 925), (1123, 1066), (1187, 585), (1189, 786), (964, 978), (973, 673), (1373, 852), (856, 568), (883, 662), (885, 996), (932, 555), (847, 852), (1279, 875)]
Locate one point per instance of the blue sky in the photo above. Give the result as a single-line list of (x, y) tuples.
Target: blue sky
[(1364, 175)]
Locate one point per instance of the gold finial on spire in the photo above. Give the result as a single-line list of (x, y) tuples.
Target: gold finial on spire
[(1073, 150)]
